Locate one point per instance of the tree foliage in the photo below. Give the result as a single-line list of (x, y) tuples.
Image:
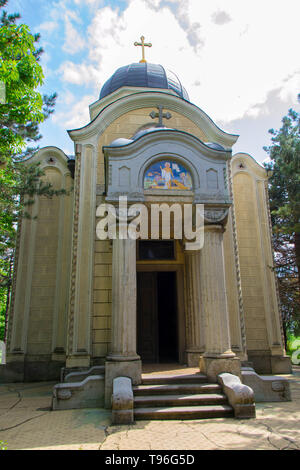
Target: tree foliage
[(20, 115), (284, 193)]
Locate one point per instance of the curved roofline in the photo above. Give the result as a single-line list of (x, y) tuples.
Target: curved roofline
[(245, 154), (48, 148), (255, 165), (164, 131), (188, 139), (145, 99)]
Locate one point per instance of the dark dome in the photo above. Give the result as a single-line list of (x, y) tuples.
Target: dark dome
[(144, 75)]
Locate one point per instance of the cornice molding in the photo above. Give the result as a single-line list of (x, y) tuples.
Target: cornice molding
[(148, 99), (59, 162), (167, 136)]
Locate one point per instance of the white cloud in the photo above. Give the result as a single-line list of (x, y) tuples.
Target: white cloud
[(48, 26), (75, 116), (82, 74), (73, 39), (228, 55)]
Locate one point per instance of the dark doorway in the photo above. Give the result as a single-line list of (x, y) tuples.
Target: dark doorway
[(157, 330)]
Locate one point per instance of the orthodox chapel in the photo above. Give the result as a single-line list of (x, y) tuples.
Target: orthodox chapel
[(80, 302)]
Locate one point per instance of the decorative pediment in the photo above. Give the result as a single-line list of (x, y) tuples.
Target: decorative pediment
[(104, 113), (166, 163)]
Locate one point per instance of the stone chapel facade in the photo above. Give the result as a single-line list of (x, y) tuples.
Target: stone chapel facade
[(79, 301)]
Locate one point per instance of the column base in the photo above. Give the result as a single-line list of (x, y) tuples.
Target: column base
[(213, 366), (265, 364), (80, 360), (193, 358), (122, 368), (281, 365)]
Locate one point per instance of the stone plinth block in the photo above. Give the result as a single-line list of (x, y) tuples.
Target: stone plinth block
[(193, 358), (114, 369), (122, 401), (213, 366), (281, 365)]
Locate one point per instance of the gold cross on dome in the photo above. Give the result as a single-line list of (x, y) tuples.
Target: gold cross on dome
[(143, 44)]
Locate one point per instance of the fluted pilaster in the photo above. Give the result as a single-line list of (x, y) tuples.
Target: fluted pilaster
[(213, 292), (123, 341), (194, 317)]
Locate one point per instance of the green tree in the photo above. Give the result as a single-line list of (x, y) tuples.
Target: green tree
[(284, 194), (21, 113)]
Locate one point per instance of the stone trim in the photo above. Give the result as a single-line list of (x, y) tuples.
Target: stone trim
[(237, 264), (74, 251), (144, 100)]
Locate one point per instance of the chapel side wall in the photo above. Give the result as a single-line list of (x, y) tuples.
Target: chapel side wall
[(40, 327), (125, 126), (262, 318), (50, 280), (37, 325)]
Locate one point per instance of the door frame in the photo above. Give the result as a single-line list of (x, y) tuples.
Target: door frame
[(179, 269)]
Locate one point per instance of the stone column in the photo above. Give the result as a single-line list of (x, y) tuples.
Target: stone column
[(194, 314), (218, 356), (123, 359)]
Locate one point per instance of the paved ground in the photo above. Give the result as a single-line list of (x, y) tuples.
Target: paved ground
[(26, 422)]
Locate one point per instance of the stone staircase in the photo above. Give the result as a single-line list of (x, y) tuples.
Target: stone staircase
[(179, 397)]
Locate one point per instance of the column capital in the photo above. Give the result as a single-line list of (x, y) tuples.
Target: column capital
[(216, 215)]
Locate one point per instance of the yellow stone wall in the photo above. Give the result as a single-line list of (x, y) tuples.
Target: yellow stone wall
[(51, 254), (255, 255), (250, 261), (40, 297), (44, 271)]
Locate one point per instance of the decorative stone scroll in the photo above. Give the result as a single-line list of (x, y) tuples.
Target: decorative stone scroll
[(215, 215)]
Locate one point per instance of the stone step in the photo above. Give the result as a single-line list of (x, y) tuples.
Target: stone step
[(173, 379), (201, 399), (175, 389), (183, 412)]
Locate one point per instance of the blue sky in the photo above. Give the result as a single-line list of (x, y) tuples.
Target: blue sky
[(238, 60)]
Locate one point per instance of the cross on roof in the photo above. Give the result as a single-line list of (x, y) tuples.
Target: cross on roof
[(160, 115), (143, 44)]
